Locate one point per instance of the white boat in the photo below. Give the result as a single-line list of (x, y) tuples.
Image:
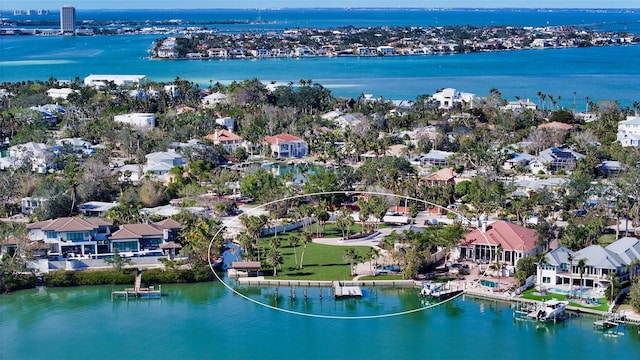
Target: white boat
[(430, 289), (552, 309), (439, 291)]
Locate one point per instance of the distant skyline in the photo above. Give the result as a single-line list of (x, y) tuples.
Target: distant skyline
[(252, 4)]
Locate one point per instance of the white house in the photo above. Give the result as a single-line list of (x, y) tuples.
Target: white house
[(77, 145), (62, 93), (386, 50), (38, 156), (600, 264), (71, 236), (227, 122), (99, 81), (629, 131), (520, 104), (553, 159), (215, 98), (449, 97), (286, 146), (139, 120)]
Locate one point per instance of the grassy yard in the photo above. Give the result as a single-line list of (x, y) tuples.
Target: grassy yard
[(321, 262), (606, 239), (529, 294)]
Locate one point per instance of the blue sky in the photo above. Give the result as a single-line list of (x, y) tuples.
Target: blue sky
[(186, 4)]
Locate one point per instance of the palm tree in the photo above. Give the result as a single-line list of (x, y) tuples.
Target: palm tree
[(582, 264), (344, 222), (570, 258), (350, 255), (633, 269), (274, 258), (306, 239), (373, 254), (294, 241), (541, 259), (498, 263)]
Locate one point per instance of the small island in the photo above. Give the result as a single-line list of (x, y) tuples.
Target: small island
[(379, 41)]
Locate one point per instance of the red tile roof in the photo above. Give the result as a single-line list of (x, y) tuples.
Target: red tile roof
[(442, 175), (281, 138), (223, 136), (68, 224), (510, 236)]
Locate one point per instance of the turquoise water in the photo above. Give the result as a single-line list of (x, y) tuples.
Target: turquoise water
[(598, 73), (208, 321)]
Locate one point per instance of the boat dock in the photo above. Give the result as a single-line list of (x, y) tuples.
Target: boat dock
[(137, 291), (342, 291)]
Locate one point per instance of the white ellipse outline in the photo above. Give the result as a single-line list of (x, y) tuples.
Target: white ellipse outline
[(336, 317)]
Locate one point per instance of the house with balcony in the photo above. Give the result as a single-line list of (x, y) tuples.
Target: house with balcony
[(229, 141), (286, 146), (133, 239), (37, 156), (629, 131), (449, 97), (72, 236), (515, 241), (218, 53), (601, 264)]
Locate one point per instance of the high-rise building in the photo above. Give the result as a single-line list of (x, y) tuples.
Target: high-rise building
[(67, 20)]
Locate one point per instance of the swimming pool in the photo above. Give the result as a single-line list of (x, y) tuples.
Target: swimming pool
[(579, 293), (488, 283)]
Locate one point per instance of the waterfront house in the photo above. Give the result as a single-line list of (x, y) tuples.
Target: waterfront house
[(138, 120), (218, 53), (629, 131), (143, 238), (71, 236), (601, 263), (229, 141), (286, 146), (516, 242)]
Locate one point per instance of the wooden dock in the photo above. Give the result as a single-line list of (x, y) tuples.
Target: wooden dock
[(343, 291), (137, 291)]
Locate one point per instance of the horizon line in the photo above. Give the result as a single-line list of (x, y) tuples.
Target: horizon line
[(362, 8)]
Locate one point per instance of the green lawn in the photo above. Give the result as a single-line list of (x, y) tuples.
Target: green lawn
[(606, 239), (529, 294), (321, 262)]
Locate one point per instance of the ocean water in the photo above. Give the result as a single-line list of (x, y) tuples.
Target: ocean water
[(208, 321), (600, 73)]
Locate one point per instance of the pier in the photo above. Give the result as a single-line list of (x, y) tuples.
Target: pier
[(340, 290), (137, 291)]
